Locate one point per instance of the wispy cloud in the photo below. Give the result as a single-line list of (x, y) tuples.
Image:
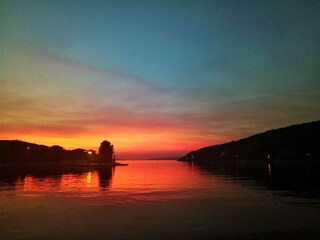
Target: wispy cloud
[(53, 100)]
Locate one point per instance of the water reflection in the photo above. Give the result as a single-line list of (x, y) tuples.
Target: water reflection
[(159, 200), (269, 169), (155, 181), (299, 179), (41, 178), (105, 177)]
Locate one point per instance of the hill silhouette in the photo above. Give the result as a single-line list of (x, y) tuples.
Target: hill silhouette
[(289, 144)]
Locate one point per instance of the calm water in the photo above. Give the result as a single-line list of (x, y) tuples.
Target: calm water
[(159, 200)]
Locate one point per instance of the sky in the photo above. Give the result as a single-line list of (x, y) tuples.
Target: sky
[(156, 78)]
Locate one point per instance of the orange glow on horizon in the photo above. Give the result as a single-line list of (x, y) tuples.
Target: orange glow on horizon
[(126, 146)]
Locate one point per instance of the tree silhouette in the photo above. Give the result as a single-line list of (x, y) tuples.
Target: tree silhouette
[(106, 151)]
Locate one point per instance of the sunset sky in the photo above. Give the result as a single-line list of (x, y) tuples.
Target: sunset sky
[(156, 78)]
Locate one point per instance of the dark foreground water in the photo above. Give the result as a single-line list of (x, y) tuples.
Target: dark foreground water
[(160, 200)]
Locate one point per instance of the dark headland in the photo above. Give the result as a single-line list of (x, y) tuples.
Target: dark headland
[(14, 152), (292, 144)]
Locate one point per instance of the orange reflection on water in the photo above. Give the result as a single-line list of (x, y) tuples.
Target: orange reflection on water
[(140, 181), (156, 174), (83, 182), (89, 178), (34, 184), (88, 181)]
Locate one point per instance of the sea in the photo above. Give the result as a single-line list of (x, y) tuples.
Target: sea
[(159, 199)]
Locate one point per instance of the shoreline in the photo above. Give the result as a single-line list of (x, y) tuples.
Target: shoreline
[(63, 165)]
